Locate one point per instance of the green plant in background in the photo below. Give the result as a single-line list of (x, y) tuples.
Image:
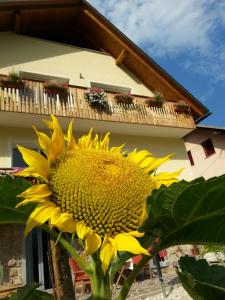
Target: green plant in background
[(201, 281), (30, 292), (1, 274), (157, 99), (158, 95)]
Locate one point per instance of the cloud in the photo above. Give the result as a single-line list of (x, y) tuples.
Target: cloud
[(173, 28), (161, 26)]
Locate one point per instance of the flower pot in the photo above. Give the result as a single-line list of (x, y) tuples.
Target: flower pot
[(54, 91), (12, 84), (155, 104), (182, 110), (124, 99)]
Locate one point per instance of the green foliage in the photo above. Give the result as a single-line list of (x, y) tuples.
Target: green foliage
[(201, 281), (9, 188), (30, 292), (1, 273), (187, 213)]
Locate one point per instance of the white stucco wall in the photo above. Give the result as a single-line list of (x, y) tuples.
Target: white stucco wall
[(159, 147), (213, 165), (23, 53)]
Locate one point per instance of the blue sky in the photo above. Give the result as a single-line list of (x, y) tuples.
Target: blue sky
[(185, 37)]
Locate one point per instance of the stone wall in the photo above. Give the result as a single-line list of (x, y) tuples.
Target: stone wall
[(11, 237)]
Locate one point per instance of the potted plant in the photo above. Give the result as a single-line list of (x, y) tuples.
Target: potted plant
[(157, 100), (124, 98), (96, 97), (182, 107), (13, 80), (55, 87)]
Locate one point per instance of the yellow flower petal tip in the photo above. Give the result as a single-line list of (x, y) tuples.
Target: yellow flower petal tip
[(91, 189)]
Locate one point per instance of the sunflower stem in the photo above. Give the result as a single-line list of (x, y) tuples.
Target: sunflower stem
[(78, 259), (100, 284)]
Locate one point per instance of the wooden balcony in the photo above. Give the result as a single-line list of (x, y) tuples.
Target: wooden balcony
[(32, 99)]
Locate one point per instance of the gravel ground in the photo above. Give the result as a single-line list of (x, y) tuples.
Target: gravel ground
[(150, 289)]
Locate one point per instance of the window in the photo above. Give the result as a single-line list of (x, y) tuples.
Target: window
[(190, 158), (111, 88), (208, 148), (40, 77), (17, 159)]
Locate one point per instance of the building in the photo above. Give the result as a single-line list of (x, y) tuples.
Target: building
[(70, 42), (206, 151)]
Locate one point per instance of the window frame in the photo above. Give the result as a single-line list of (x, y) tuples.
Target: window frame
[(190, 157), (209, 149)]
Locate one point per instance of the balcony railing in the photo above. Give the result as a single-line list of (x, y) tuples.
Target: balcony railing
[(34, 100)]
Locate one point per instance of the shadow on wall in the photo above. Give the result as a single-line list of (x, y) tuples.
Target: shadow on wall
[(28, 49)]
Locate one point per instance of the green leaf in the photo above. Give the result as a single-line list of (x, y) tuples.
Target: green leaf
[(30, 292), (188, 213), (10, 187), (12, 215), (201, 281)]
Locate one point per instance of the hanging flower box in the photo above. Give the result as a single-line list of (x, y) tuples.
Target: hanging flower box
[(55, 87), (157, 99), (124, 99), (96, 98), (182, 107), (153, 102), (13, 80)]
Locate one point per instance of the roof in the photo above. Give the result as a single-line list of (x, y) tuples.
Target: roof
[(210, 127), (76, 22)]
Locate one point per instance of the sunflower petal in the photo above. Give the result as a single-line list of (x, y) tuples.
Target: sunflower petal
[(37, 191), (71, 143), (156, 163), (36, 161), (64, 222), (108, 252), (45, 143), (85, 140), (32, 200), (92, 243), (82, 230), (104, 144), (117, 149), (30, 171), (166, 178), (40, 215), (135, 233), (138, 157), (126, 242)]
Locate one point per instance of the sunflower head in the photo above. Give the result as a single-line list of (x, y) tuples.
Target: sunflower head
[(91, 189)]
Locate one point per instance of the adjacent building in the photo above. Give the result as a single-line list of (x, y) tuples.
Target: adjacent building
[(205, 147)]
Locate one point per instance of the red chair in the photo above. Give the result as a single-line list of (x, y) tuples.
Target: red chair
[(79, 276)]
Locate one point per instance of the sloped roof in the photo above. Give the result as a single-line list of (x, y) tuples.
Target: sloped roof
[(76, 22)]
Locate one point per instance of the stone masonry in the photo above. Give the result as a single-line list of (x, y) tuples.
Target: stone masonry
[(11, 253)]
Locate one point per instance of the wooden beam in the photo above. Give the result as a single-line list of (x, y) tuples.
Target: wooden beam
[(121, 56), (169, 85), (17, 22)]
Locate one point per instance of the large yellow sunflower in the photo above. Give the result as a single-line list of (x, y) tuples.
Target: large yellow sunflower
[(92, 190)]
